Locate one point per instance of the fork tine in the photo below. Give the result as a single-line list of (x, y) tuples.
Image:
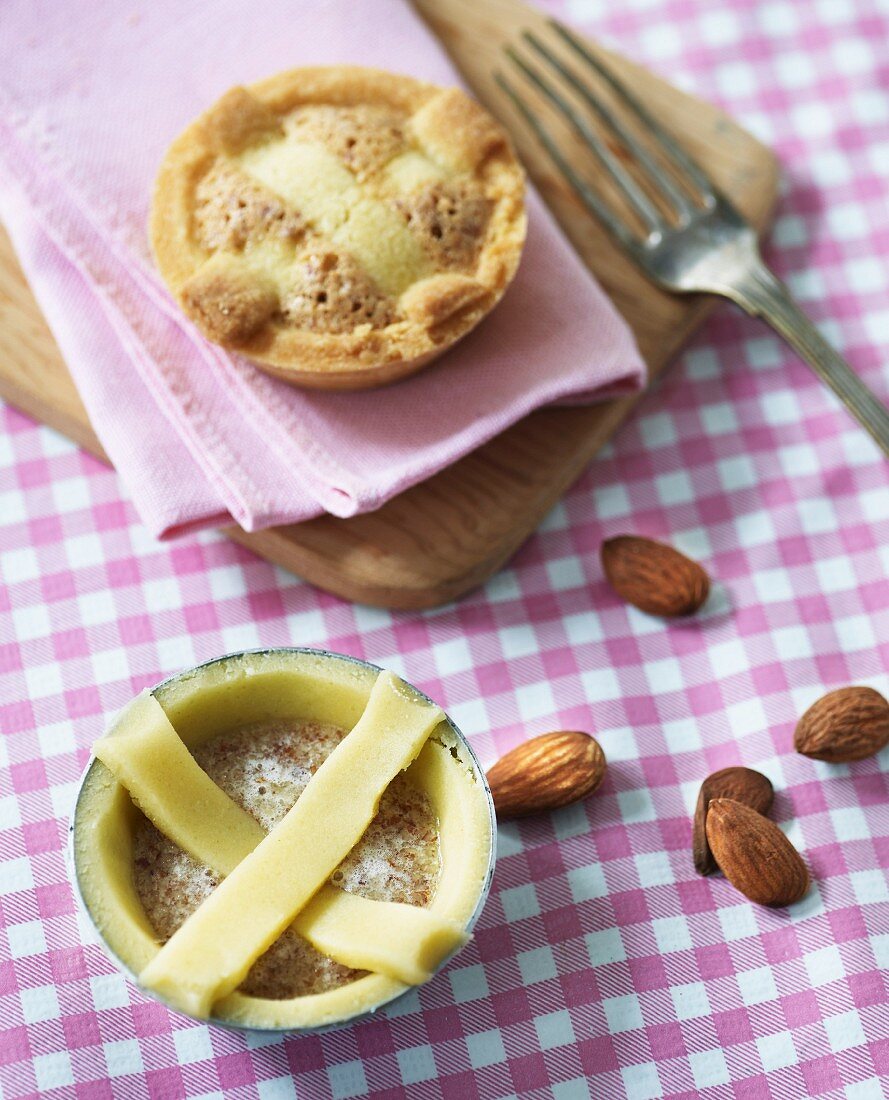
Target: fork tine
[(588, 197), (670, 146), (640, 202), (679, 200)]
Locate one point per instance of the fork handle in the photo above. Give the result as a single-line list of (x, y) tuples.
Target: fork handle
[(764, 295)]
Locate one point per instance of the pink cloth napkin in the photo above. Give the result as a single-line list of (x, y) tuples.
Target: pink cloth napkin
[(91, 93)]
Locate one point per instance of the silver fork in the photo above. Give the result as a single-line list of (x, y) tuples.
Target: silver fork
[(707, 244)]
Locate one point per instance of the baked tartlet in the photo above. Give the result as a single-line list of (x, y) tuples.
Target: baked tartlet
[(283, 839), (339, 226)]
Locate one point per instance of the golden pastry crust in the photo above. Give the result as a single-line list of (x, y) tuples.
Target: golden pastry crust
[(339, 226)]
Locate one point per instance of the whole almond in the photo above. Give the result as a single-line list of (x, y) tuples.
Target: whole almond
[(653, 576), (546, 772), (754, 855), (744, 785), (850, 723)]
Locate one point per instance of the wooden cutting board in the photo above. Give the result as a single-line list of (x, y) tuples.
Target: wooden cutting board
[(436, 541)]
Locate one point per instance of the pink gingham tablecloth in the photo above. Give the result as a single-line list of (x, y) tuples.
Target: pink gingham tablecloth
[(603, 965)]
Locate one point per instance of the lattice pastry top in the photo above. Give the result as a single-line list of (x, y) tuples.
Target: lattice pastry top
[(281, 879), (340, 226)]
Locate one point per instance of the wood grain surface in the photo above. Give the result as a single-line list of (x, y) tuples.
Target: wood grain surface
[(442, 538)]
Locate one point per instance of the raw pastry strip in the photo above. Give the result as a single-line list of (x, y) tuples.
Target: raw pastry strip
[(147, 755), (401, 941), (210, 954), (397, 940)]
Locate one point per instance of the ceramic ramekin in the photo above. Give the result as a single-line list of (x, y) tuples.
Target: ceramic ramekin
[(278, 654)]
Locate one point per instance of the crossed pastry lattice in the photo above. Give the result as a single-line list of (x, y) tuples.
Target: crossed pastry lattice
[(270, 880), (321, 200)]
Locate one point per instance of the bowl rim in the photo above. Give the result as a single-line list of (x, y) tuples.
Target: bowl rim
[(484, 893)]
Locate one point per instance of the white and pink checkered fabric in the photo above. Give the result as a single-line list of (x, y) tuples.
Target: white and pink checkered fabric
[(603, 965)]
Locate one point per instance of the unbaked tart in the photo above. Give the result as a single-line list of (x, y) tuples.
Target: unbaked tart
[(282, 839), (339, 226)]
